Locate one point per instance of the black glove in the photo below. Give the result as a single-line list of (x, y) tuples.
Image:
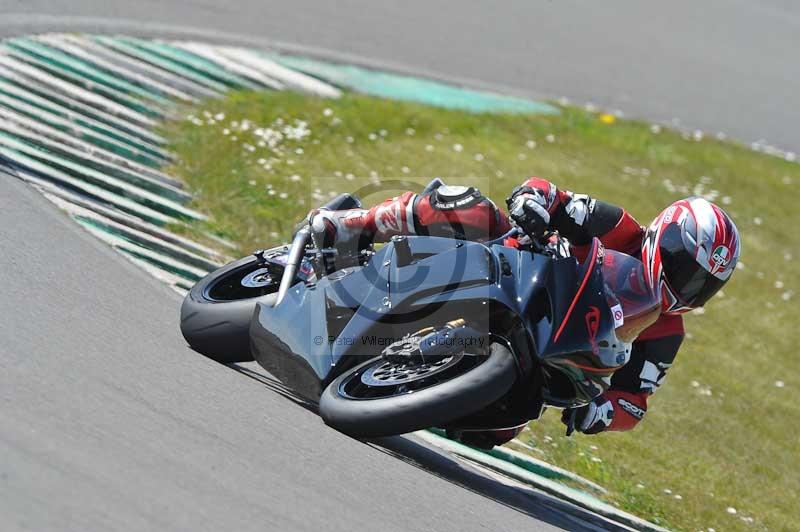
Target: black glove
[(590, 418), (526, 208)]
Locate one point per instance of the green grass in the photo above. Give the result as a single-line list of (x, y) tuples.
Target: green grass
[(720, 433)]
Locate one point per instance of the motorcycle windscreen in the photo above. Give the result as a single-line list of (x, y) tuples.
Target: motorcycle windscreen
[(640, 307)]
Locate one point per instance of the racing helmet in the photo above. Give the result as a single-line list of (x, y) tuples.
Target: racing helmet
[(689, 251)]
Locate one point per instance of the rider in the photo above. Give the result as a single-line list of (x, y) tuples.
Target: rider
[(689, 251)]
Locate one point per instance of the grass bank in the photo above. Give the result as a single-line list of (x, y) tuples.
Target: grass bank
[(720, 446)]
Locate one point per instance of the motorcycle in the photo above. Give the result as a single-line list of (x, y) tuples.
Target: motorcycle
[(426, 331)]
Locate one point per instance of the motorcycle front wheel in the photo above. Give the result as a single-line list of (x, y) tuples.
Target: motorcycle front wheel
[(383, 398), (216, 313)]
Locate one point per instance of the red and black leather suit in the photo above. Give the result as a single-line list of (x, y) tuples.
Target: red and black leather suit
[(577, 217)]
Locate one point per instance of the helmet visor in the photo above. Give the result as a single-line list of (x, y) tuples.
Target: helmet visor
[(692, 284)]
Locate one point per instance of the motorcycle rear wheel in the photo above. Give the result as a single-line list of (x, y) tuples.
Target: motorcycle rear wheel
[(216, 313), (374, 400)]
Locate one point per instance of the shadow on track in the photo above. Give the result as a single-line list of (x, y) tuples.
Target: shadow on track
[(518, 497)]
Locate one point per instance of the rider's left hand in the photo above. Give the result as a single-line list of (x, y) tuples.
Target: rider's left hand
[(591, 418)]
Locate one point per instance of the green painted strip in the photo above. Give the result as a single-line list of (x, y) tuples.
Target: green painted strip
[(571, 495), (158, 77), (67, 75), (58, 85), (89, 159), (112, 184), (195, 62), (201, 265), (175, 68), (43, 97), (408, 88), (96, 135), (35, 171), (76, 203), (61, 43), (86, 69), (161, 261)]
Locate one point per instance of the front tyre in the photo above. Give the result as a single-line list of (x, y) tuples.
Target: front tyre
[(216, 313), (381, 398)]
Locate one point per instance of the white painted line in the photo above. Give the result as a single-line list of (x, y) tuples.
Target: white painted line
[(83, 72), (110, 183), (95, 87), (65, 45), (67, 107), (56, 141), (128, 219), (292, 78), (36, 172), (151, 72), (154, 59), (166, 262), (78, 93), (210, 53), (139, 238)]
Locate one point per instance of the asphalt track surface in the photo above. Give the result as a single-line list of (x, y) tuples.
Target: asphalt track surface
[(717, 65), (109, 422)]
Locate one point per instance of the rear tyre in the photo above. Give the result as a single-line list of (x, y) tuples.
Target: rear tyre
[(216, 313), (375, 399)]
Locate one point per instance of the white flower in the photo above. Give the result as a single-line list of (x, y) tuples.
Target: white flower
[(790, 156), (295, 178), (271, 192), (778, 284), (499, 173), (655, 129), (405, 169), (299, 151), (786, 296), (550, 138), (226, 131), (410, 131), (757, 220), (283, 195), (726, 200), (668, 491), (521, 156), (349, 177), (372, 136), (731, 510), (478, 157), (596, 459), (780, 384), (531, 144), (349, 140), (382, 132), (327, 112), (695, 384), (336, 121), (219, 116), (678, 497), (252, 182), (697, 135), (337, 173), (429, 147), (458, 148), (640, 485)]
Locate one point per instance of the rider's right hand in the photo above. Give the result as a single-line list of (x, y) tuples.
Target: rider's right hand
[(336, 228), (526, 209)]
